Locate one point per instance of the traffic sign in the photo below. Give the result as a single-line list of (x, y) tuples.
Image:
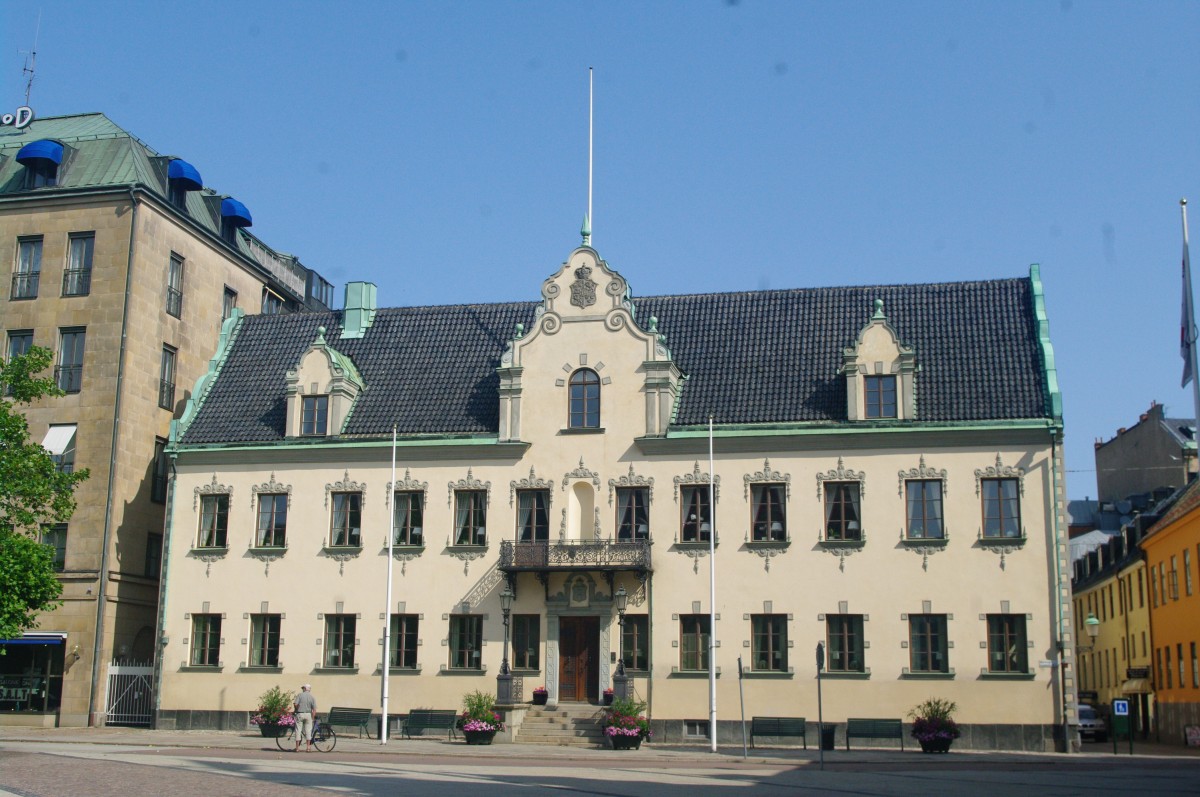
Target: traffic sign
[(1120, 708)]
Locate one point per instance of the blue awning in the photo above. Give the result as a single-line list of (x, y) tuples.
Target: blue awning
[(41, 150), (235, 212), (37, 639), (186, 175)]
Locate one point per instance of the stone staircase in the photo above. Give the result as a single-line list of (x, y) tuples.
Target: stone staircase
[(566, 725)]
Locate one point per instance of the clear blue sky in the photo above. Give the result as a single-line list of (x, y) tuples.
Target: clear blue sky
[(738, 145)]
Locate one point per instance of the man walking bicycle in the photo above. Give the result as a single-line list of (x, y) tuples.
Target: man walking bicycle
[(305, 708)]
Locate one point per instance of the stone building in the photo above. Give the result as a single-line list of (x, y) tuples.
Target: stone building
[(886, 480), (122, 263)]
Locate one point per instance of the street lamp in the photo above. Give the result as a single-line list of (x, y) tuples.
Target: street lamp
[(622, 602), (1092, 626), (506, 599)]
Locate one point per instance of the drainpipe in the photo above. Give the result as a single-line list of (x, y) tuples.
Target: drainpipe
[(1062, 646), (160, 627), (102, 588)]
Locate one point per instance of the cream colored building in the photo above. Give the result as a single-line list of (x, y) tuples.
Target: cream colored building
[(886, 472), (118, 260)]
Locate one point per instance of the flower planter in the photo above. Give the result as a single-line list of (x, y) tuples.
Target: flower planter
[(936, 745), (539, 698), (626, 742), (479, 737), (273, 730), (608, 698)]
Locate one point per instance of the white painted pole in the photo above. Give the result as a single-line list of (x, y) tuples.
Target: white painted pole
[(712, 594), (591, 118), (387, 609), (1190, 332)]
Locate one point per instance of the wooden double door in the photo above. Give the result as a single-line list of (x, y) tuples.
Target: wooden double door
[(579, 659)]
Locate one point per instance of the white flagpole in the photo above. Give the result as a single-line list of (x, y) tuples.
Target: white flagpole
[(1189, 333), (591, 117), (712, 595), (387, 609)]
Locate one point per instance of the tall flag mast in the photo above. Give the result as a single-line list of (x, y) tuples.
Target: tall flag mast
[(587, 220)]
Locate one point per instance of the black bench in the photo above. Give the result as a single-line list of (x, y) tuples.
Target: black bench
[(431, 718), (874, 729), (778, 726), (350, 718)]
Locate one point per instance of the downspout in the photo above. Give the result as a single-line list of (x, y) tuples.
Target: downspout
[(161, 626), (102, 588), (1058, 586)]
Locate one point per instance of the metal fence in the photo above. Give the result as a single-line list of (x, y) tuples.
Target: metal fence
[(130, 698)]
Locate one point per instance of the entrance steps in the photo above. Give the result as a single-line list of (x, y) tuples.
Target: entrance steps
[(565, 725)]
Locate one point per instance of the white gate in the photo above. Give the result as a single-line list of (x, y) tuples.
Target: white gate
[(130, 698)]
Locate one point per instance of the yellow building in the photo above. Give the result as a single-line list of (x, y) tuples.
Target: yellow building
[(886, 480), (1112, 624), (1172, 549), (122, 263)]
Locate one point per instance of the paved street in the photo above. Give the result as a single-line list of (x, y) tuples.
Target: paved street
[(126, 763)]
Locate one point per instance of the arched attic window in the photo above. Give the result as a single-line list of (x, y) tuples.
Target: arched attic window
[(584, 389), (41, 160), (182, 177)]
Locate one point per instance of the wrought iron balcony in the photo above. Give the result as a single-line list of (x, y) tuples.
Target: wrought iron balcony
[(25, 285), (517, 557)]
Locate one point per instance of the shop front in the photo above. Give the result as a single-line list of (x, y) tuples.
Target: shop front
[(31, 675)]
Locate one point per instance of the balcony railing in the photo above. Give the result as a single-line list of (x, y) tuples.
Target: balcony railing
[(69, 378), (174, 301), (516, 556), (166, 394), (25, 284), (77, 282)]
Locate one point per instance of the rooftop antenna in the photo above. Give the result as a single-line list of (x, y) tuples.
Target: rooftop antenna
[(587, 220), (31, 60)]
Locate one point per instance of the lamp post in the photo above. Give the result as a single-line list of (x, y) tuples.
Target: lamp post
[(622, 602), (504, 679)]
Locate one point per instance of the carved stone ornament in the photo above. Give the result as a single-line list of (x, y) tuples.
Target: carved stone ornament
[(341, 556), (582, 473), (583, 289), (767, 476), (1000, 471), (696, 477), (466, 557), (212, 488), (922, 472), (842, 474), (266, 556), (767, 554), (1002, 548), (694, 554), (532, 483), (209, 556), (841, 552), (469, 483), (406, 485), (631, 480), (345, 486), (270, 487), (404, 556)]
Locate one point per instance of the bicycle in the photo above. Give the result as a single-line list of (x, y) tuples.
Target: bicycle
[(323, 738)]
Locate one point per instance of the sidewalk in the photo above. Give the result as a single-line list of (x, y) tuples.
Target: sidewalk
[(247, 741)]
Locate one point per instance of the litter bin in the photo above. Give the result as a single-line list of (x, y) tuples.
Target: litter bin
[(827, 735)]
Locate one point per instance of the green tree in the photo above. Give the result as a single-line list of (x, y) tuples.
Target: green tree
[(34, 494)]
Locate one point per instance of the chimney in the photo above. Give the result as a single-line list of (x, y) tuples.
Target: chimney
[(358, 311)]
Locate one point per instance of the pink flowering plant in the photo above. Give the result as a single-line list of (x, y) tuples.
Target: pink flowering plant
[(275, 708), (625, 718), (479, 713), (541, 690), (932, 721)]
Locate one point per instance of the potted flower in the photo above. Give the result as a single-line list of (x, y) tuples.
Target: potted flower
[(479, 720), (274, 716), (933, 725), (625, 725), (608, 697), (540, 696)]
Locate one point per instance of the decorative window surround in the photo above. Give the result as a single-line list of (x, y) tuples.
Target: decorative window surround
[(326, 372), (579, 473), (633, 480), (877, 351), (842, 474), (406, 485), (469, 483), (923, 473), (532, 483), (999, 471), (766, 476), (346, 486), (1000, 545), (212, 488), (697, 477), (270, 487)]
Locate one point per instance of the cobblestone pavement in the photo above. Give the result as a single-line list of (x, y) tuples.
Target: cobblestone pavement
[(120, 762)]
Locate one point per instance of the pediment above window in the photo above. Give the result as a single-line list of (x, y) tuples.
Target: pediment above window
[(880, 373)]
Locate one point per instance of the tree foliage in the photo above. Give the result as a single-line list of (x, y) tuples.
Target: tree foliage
[(34, 494)]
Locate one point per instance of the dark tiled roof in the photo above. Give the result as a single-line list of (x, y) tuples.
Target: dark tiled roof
[(755, 357)]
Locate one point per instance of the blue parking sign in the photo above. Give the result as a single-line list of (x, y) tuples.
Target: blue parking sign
[(1120, 708)]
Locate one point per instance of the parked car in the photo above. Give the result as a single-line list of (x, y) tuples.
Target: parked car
[(1092, 725)]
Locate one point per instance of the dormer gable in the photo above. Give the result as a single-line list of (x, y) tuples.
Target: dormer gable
[(880, 373), (321, 391)]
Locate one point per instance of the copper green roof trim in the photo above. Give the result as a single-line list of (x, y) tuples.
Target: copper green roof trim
[(205, 381), (1053, 396)]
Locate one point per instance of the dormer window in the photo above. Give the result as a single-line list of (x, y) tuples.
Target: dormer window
[(234, 216), (182, 177), (585, 399), (41, 160), (880, 396), (880, 373), (314, 418)]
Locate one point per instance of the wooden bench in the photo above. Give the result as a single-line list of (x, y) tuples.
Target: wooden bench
[(874, 729), (778, 726), (350, 718), (431, 718)]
